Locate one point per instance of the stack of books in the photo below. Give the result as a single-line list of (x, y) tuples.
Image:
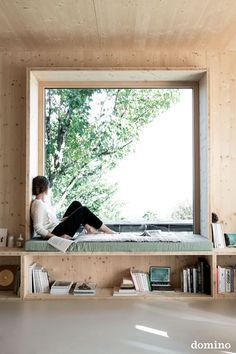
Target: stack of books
[(141, 280), (197, 279), (38, 279), (61, 287), (85, 289), (126, 288), (226, 279)]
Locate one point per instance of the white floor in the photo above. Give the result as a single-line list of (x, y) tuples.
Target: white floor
[(116, 327)]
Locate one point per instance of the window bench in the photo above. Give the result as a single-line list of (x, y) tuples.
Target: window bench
[(189, 242)]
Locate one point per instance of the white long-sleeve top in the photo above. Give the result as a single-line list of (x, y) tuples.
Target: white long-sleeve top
[(44, 217)]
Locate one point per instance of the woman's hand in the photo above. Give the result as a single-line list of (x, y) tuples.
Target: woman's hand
[(66, 237)]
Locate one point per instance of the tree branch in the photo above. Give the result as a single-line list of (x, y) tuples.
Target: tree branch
[(125, 108), (111, 152), (61, 137), (73, 181), (76, 177), (116, 99)]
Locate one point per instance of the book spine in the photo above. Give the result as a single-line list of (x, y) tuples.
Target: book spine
[(45, 281), (30, 280), (207, 278), (134, 279), (142, 281), (42, 280), (231, 280), (219, 235), (148, 282), (215, 235), (199, 284), (194, 280), (202, 276), (38, 281), (189, 280), (185, 281), (145, 281), (227, 280), (222, 236), (34, 281), (139, 281), (219, 285), (140, 276), (221, 280), (235, 280)]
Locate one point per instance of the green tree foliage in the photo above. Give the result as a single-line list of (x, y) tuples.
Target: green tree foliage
[(87, 132), (184, 211)]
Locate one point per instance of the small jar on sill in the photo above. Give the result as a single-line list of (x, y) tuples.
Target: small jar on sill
[(20, 241)]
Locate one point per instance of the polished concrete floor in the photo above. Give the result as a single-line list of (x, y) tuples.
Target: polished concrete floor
[(116, 327)]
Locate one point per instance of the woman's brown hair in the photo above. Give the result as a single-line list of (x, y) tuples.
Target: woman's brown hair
[(40, 185)]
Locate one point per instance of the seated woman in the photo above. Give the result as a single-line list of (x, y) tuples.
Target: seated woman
[(46, 223)]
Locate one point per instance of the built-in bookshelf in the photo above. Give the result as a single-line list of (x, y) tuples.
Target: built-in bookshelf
[(107, 270)]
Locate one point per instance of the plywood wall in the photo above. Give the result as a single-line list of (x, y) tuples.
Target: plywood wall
[(222, 122)]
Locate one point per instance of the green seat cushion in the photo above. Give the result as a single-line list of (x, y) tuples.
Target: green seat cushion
[(188, 242)]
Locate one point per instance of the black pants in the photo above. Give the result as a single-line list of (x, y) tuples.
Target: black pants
[(76, 215)]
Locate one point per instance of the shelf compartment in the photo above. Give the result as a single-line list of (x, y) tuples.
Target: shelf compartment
[(226, 296), (107, 293), (225, 258), (11, 258), (8, 295), (106, 271), (100, 294)]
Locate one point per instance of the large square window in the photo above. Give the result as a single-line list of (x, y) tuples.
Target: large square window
[(126, 153)]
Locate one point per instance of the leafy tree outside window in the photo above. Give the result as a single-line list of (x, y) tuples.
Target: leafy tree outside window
[(87, 133)]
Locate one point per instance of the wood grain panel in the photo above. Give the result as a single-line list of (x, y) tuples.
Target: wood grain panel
[(222, 120), (68, 24), (108, 271)]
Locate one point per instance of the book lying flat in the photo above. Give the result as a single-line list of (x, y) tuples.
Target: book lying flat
[(117, 292), (82, 288), (127, 282), (61, 287), (163, 288), (62, 244), (62, 284), (166, 291)]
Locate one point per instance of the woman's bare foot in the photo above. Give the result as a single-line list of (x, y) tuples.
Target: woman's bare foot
[(89, 229), (106, 229)]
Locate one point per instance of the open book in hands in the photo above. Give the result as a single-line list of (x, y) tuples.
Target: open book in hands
[(62, 244)]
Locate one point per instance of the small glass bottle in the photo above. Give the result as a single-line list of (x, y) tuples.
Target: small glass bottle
[(11, 241), (19, 241)]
